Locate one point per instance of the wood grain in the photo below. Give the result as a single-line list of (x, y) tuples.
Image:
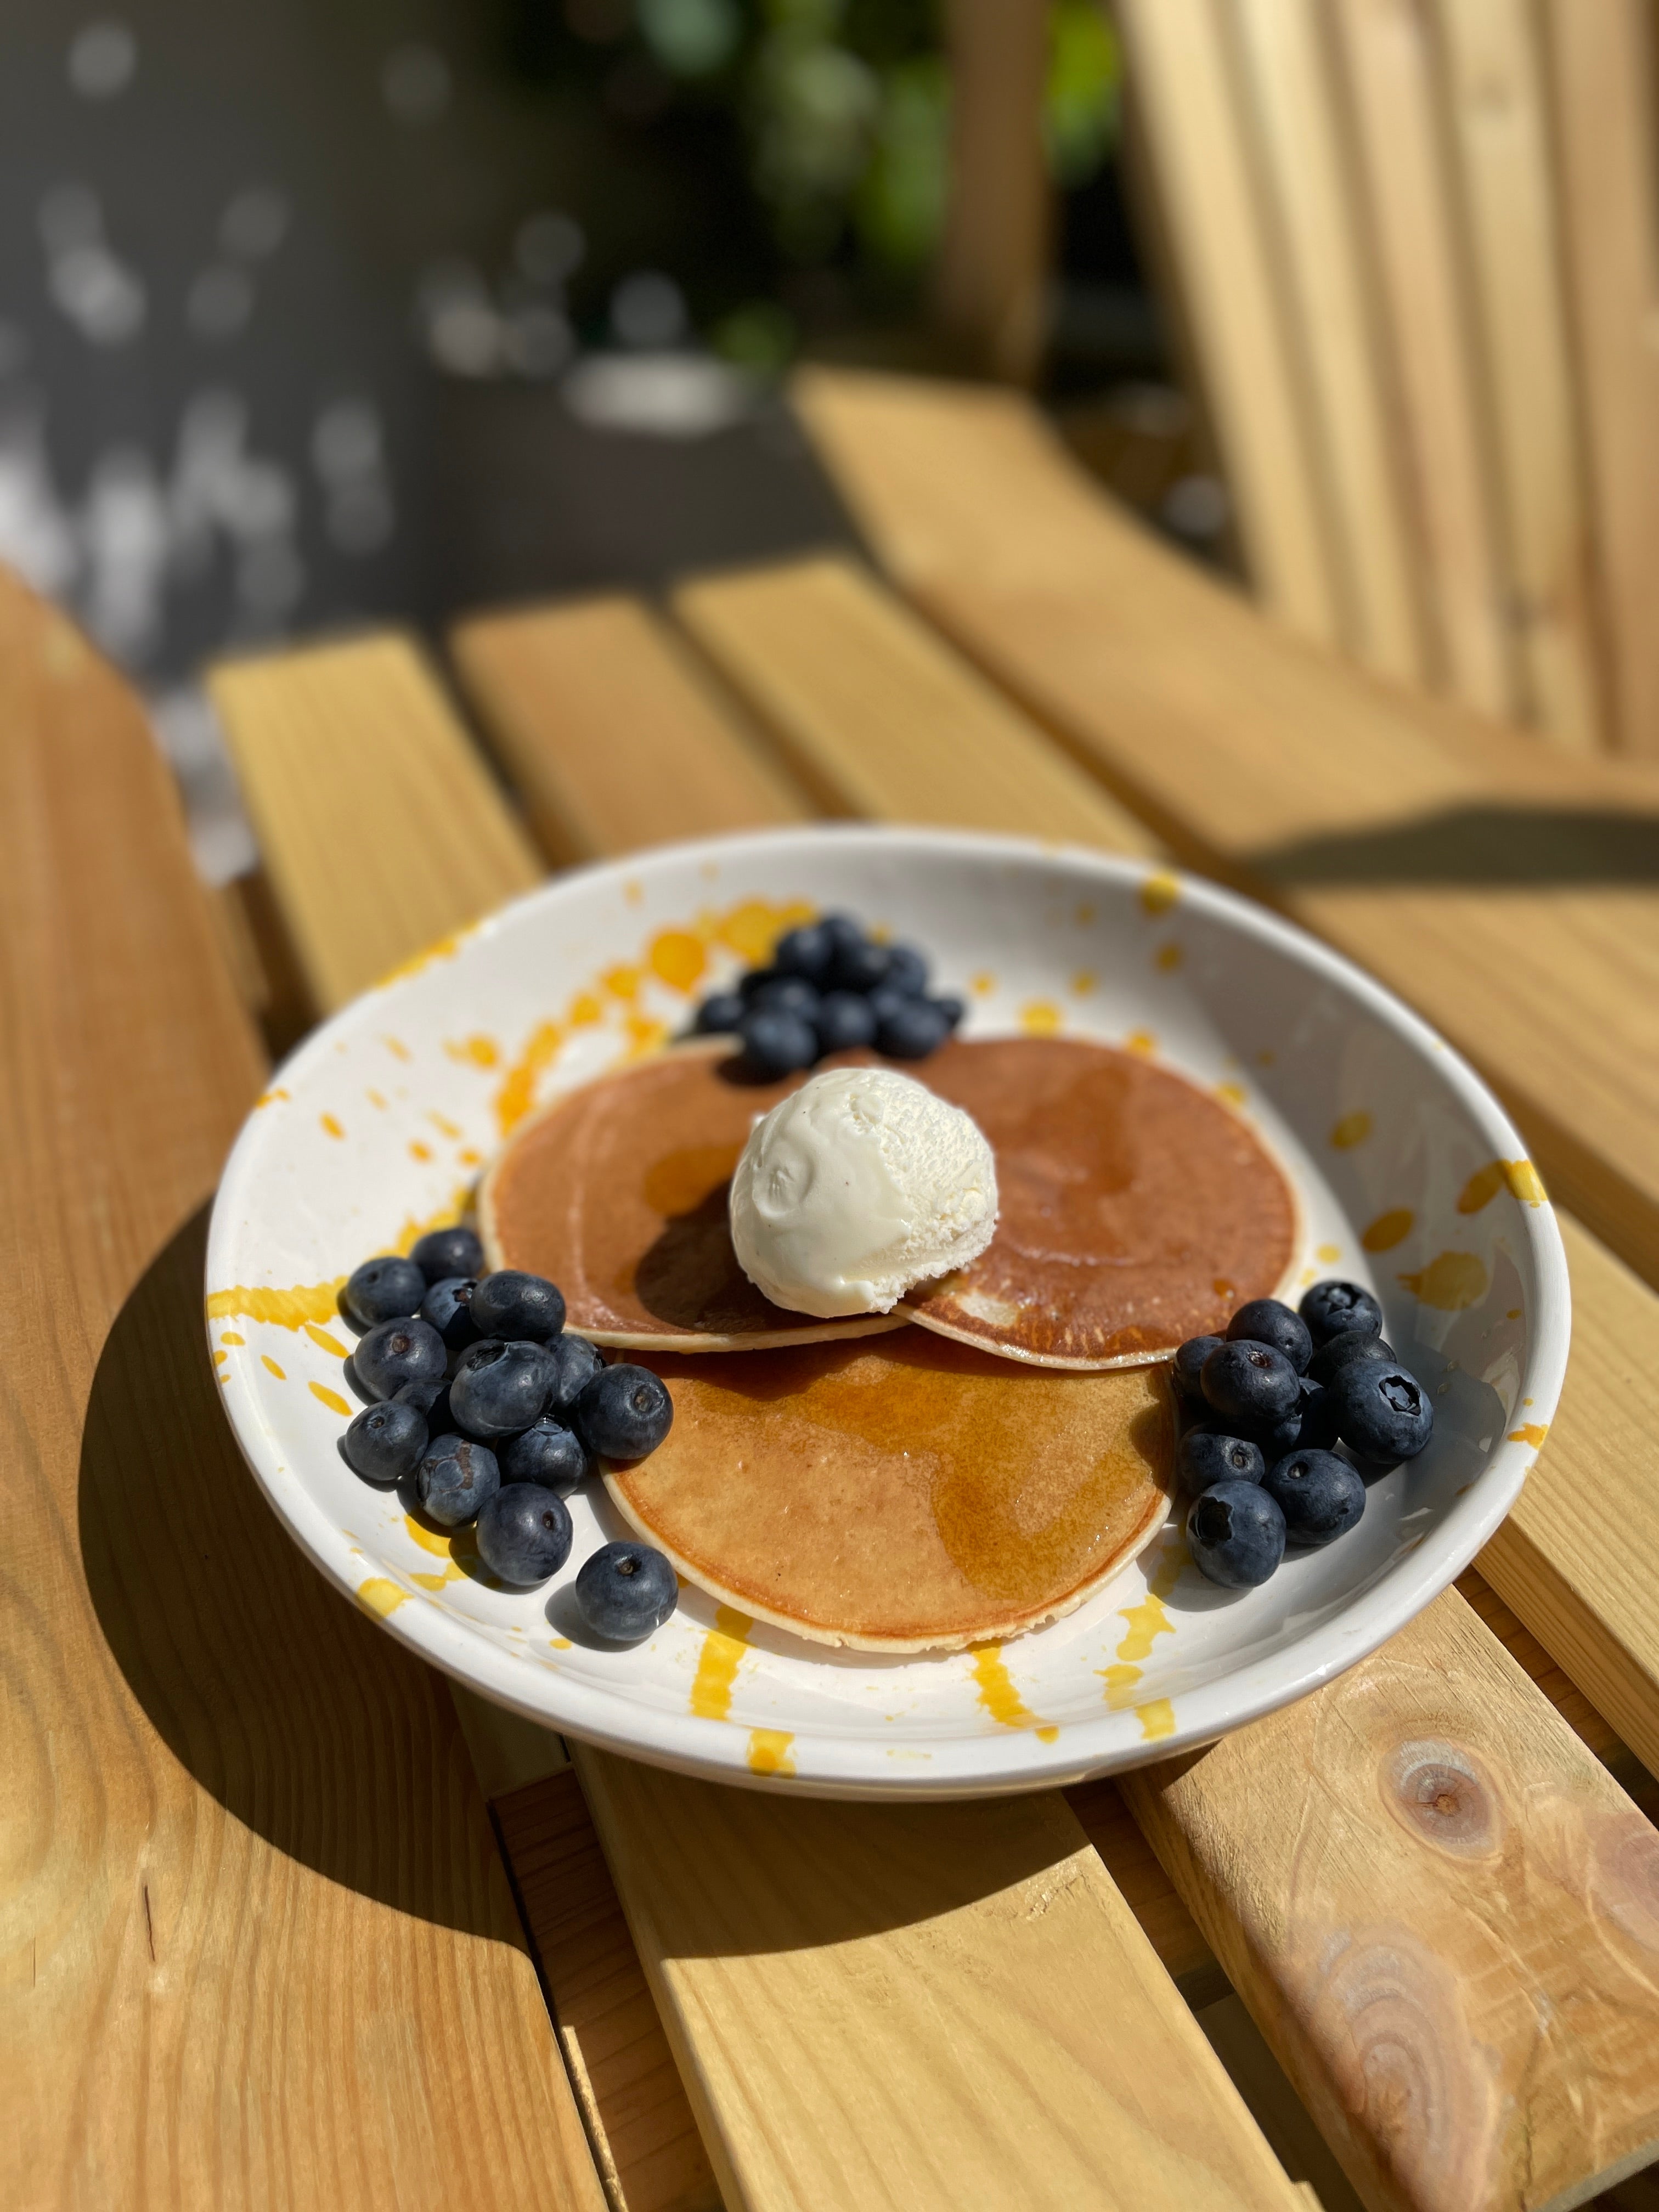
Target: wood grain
[(610, 733), (1290, 86), (1392, 94), (1507, 892), (259, 1951), (990, 273), (362, 728), (1447, 1927), (1601, 60), (858, 695), (1499, 112), (860, 2042), (1212, 220), (640, 2125)]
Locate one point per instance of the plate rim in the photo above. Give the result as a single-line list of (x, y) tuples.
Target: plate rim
[(1014, 1760)]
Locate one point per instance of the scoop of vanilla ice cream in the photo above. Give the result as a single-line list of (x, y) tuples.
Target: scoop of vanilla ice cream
[(856, 1186)]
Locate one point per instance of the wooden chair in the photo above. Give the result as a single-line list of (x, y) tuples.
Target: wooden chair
[(1414, 246)]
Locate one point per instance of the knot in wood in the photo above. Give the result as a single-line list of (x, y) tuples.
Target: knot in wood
[(1439, 1793)]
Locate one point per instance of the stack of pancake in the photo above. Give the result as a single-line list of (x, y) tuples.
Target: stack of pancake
[(864, 1481)]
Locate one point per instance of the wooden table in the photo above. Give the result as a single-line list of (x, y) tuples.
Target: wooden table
[(286, 1918)]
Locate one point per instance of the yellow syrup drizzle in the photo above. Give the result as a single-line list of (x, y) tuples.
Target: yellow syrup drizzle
[(1000, 1698), (1530, 1432), (1231, 1094), (446, 1217), (289, 1309), (1158, 893), (327, 1343), (266, 1361), (769, 1752), (1041, 1018), (1146, 1620), (476, 1051), (1330, 1254), (1388, 1230), (1351, 1130), (517, 1094), (1157, 1718), (379, 1597), (231, 1337), (443, 948), (330, 1125), (331, 1398), (268, 1097), (1451, 1281), (1169, 958), (722, 1652), (1525, 1182)]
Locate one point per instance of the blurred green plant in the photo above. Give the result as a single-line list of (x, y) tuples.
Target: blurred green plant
[(846, 106)]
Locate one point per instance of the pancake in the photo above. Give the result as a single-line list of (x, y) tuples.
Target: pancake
[(907, 1494), (1137, 1210), (617, 1193)]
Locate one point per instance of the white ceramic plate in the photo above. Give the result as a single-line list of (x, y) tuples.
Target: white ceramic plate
[(1410, 1177)]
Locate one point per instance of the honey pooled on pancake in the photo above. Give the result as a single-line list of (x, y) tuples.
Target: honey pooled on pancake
[(1137, 1211), (618, 1191), (904, 1493)]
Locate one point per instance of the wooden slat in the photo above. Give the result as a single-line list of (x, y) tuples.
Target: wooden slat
[(260, 1951), (1506, 891), (362, 727), (1212, 219), (991, 274), (763, 648), (1602, 65), (610, 732), (1392, 95), (1046, 2013), (1446, 1928), (1176, 689), (856, 692), (640, 2121), (902, 2040), (1289, 85), (1498, 107)]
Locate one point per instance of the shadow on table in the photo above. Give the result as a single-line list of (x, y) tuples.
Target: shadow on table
[(305, 1721), (1529, 847)]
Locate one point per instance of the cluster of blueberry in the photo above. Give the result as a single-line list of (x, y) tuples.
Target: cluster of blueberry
[(1274, 1397), (481, 1397), (831, 989)]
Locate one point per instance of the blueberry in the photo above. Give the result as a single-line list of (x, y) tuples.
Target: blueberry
[(624, 1411), (787, 994), (754, 979), (524, 1534), (777, 1044), (1206, 1457), (949, 1008), (500, 1389), (625, 1591), (448, 1307), (575, 1363), (525, 1309), (1265, 1321), (1237, 1532), (443, 1253), (912, 1031), (1251, 1383), (1188, 1360), (906, 970), (1381, 1411), (719, 1014), (431, 1400), (844, 1021), (859, 966), (1339, 1352), (806, 951), (1320, 1495), (388, 1289), (546, 1453), (396, 1352), (387, 1441), (1331, 1308), (455, 1478), (845, 935), (1307, 1425)]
